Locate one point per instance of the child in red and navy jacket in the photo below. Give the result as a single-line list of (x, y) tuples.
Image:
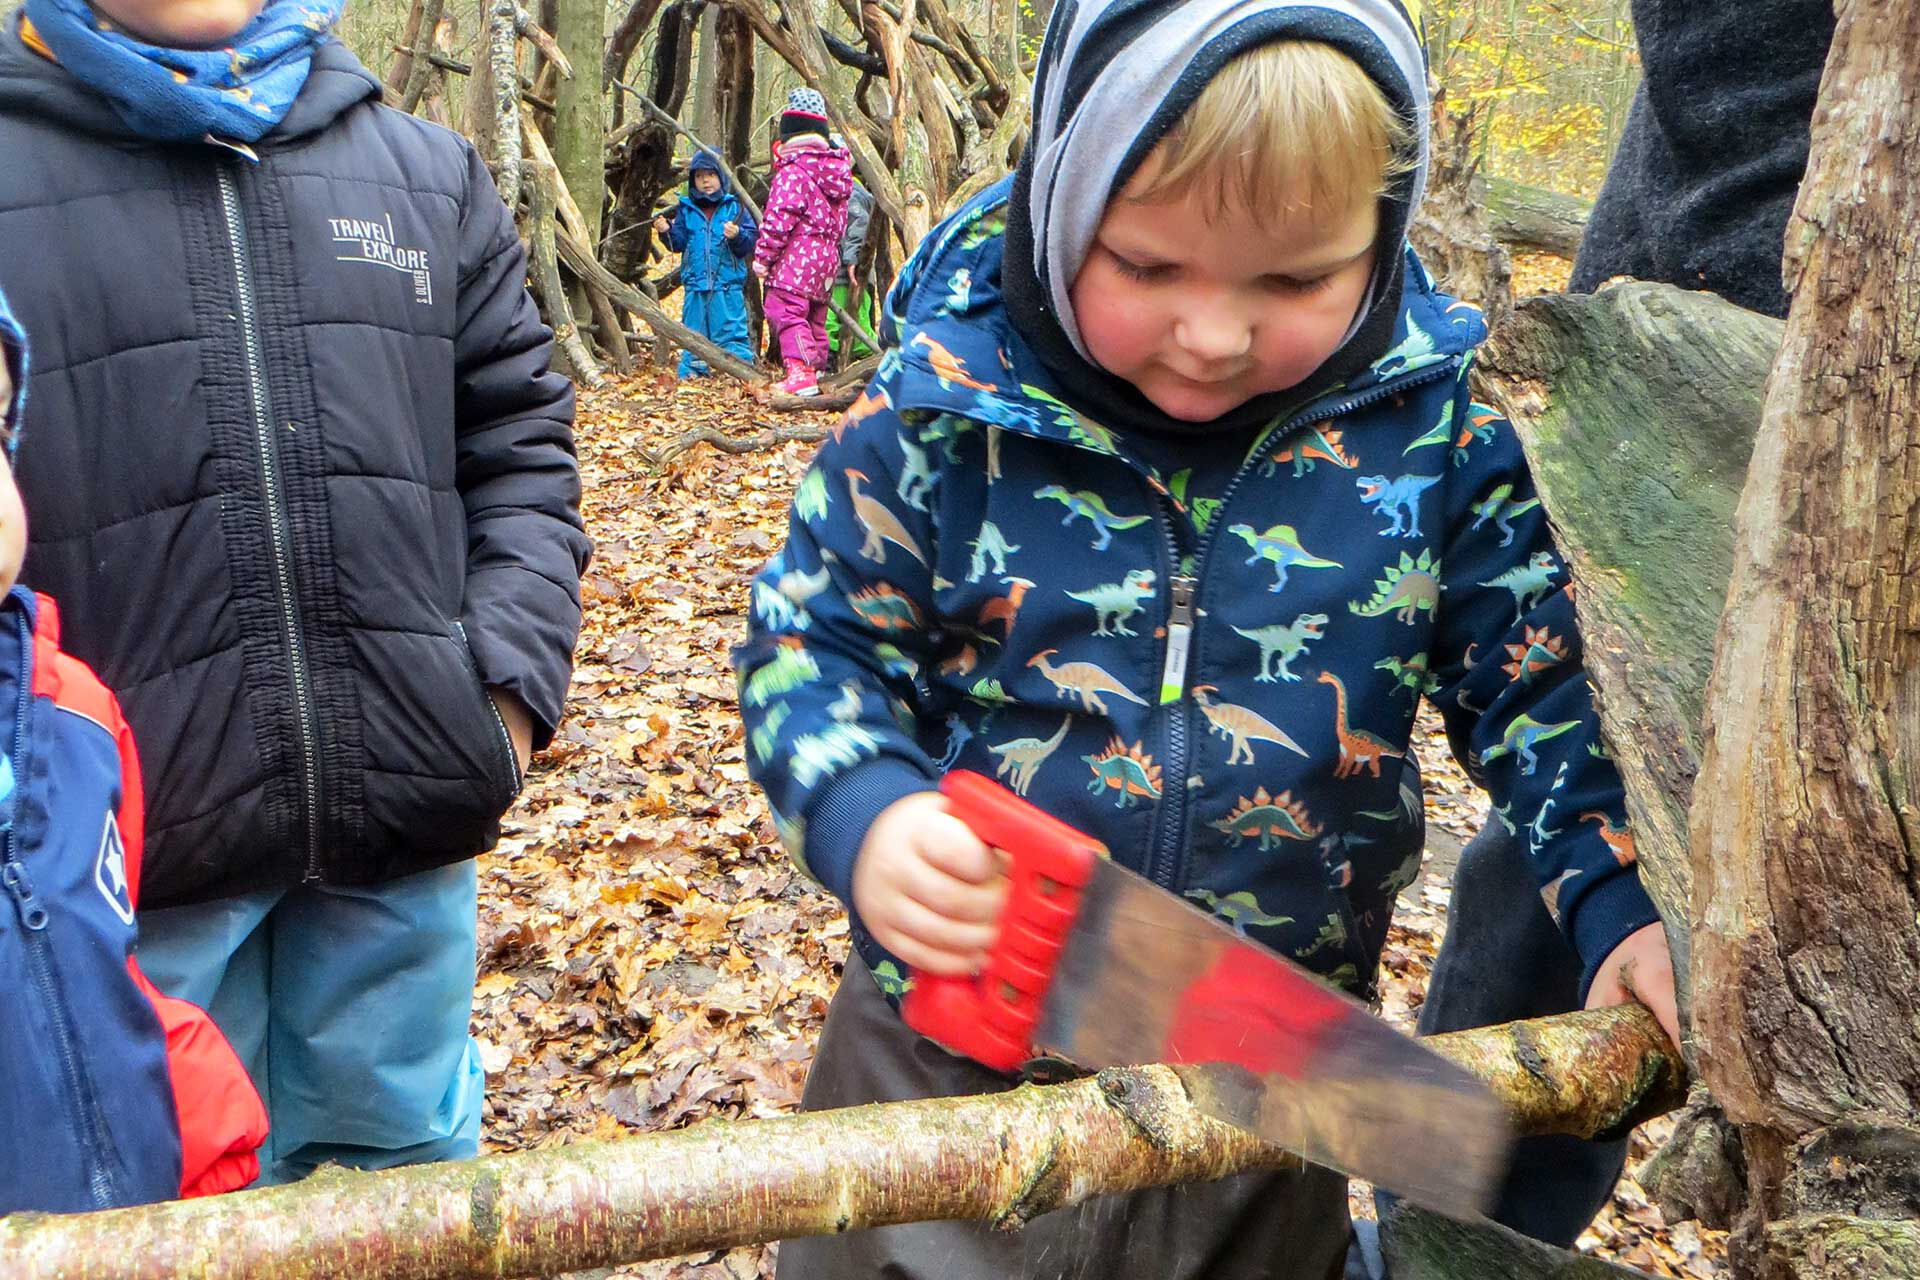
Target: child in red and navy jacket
[(113, 1093)]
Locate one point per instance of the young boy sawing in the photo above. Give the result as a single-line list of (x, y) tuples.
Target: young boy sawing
[(1168, 507)]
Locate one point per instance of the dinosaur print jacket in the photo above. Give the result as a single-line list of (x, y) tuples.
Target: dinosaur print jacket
[(978, 577)]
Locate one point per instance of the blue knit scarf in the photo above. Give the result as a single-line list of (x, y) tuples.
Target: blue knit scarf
[(237, 91)]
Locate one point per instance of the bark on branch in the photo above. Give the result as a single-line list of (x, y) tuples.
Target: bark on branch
[(546, 275), (1002, 1158)]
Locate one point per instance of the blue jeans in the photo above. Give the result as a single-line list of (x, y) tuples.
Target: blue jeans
[(349, 1007), (1503, 959)]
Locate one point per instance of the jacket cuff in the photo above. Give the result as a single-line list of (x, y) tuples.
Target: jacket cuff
[(845, 808), (1604, 916)]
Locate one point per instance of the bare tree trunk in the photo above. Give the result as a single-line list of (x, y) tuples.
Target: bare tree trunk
[(735, 71), (579, 132), (1451, 229), (407, 79), (1806, 928), (546, 276), (1002, 1158)]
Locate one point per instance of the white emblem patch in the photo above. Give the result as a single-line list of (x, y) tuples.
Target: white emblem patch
[(110, 872)]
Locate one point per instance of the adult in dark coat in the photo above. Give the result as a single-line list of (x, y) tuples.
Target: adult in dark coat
[(1698, 196)]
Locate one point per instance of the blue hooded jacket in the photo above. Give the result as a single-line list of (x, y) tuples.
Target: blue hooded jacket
[(1002, 561), (708, 260)]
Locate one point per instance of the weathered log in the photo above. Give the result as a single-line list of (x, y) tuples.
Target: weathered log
[(611, 332), (1426, 1246), (1806, 920), (1003, 1158), (584, 265), (1450, 230), (1638, 407), (1526, 217)]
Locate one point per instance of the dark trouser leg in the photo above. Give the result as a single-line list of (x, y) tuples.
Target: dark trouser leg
[(1503, 959), (1267, 1226)]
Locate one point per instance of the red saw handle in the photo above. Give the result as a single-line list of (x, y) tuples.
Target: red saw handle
[(990, 1017)]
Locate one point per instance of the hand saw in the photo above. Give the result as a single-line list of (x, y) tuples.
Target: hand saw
[(1102, 967)]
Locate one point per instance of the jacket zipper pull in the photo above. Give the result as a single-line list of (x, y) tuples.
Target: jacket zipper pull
[(1173, 678), (20, 889)]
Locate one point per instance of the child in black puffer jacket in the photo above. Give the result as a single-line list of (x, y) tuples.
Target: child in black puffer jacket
[(307, 495)]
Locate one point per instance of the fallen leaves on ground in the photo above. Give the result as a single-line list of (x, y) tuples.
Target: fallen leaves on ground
[(649, 958)]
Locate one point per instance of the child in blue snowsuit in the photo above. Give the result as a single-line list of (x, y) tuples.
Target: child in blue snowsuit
[(1168, 504), (714, 235)]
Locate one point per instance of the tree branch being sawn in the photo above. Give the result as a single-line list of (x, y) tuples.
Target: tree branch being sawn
[(1002, 1158)]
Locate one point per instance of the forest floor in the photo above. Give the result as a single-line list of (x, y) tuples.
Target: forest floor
[(648, 956)]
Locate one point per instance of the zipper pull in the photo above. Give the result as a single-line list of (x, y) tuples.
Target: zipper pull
[(1173, 678), (20, 889)]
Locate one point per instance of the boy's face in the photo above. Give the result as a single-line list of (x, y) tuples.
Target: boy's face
[(181, 24), (1204, 313), (706, 181), (13, 517)]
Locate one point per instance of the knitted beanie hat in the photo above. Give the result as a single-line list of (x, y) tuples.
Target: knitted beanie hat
[(806, 113)]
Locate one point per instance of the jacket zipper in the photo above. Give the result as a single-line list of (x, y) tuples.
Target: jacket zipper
[(1168, 862), (87, 1122), (499, 721), (276, 514)]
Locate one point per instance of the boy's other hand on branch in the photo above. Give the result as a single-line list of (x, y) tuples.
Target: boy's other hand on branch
[(660, 226), (730, 230), (927, 888), (1640, 968)]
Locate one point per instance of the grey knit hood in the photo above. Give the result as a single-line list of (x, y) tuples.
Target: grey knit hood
[(1114, 76)]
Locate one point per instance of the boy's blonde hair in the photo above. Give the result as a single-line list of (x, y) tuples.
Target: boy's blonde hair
[(1287, 126)]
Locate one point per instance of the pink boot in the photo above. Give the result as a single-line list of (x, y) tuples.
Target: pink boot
[(800, 380)]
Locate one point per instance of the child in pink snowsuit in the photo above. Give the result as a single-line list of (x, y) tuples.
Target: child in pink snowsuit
[(798, 254)]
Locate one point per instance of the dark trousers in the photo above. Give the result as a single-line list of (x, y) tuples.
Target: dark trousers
[(1504, 958), (1259, 1226)]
